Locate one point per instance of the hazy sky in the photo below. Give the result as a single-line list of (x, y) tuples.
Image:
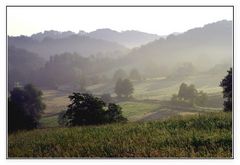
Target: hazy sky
[(158, 20)]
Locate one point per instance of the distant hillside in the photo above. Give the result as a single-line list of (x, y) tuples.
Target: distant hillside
[(51, 34), (129, 38), (105, 42), (82, 45), (21, 65), (204, 47)]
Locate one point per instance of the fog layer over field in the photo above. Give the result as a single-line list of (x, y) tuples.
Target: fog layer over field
[(86, 59)]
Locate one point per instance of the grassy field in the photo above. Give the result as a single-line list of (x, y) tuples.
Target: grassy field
[(138, 110), (208, 136), (49, 121), (160, 88), (55, 101), (134, 111), (147, 103)]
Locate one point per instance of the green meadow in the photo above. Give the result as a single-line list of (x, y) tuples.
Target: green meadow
[(207, 135)]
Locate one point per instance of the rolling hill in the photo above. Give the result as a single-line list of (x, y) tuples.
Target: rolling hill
[(83, 45), (129, 38), (204, 47), (21, 65)]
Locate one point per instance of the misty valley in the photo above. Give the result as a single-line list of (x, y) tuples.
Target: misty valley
[(123, 94)]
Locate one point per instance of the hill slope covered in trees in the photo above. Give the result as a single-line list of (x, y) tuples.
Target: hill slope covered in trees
[(204, 47), (83, 45)]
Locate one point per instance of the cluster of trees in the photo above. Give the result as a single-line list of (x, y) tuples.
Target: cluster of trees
[(190, 96), (76, 71), (121, 74), (25, 105), (24, 108), (123, 89), (22, 65), (87, 109), (26, 67)]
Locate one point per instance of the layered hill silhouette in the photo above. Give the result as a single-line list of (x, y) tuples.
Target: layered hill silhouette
[(129, 38), (105, 42), (204, 47), (83, 45), (21, 65)]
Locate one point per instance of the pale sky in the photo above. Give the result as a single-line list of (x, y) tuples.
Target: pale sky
[(156, 20)]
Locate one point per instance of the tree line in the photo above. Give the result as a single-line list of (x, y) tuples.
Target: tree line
[(25, 105), (75, 70)]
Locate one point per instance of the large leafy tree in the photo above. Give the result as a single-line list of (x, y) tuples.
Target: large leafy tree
[(24, 108), (87, 109), (226, 84)]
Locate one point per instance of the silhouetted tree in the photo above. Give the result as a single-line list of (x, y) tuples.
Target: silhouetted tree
[(87, 109), (226, 84), (127, 87), (24, 108), (182, 93), (114, 114), (124, 88), (190, 95)]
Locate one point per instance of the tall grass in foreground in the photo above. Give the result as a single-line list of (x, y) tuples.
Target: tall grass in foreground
[(207, 136)]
